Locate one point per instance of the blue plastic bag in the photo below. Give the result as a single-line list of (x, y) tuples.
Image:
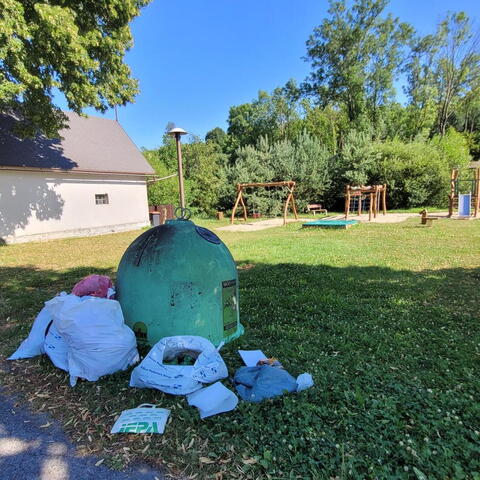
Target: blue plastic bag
[(255, 384)]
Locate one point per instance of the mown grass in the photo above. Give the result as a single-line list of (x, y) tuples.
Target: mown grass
[(385, 317)]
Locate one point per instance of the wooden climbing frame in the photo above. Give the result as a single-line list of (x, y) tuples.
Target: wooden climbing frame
[(376, 194), (455, 184), (290, 198)]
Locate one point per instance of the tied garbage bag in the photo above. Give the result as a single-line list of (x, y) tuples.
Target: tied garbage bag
[(160, 369), (213, 400), (56, 348), (93, 286), (255, 384), (84, 336), (98, 341), (33, 345)]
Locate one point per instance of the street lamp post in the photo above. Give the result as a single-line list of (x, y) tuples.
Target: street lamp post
[(177, 133)]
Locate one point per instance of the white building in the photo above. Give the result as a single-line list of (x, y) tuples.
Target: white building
[(91, 181)]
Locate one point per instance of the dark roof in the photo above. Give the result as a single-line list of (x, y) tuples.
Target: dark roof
[(91, 144)]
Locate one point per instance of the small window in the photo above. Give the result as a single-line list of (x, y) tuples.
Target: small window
[(101, 198)]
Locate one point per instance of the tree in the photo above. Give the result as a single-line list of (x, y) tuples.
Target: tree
[(458, 65), (421, 89), (77, 47), (250, 121), (276, 116), (354, 55), (326, 124), (303, 159), (467, 114), (443, 74), (204, 173), (216, 135)]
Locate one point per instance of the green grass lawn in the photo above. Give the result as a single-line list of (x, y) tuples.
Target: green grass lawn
[(385, 318)]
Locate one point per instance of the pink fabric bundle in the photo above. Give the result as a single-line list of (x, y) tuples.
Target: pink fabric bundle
[(93, 285)]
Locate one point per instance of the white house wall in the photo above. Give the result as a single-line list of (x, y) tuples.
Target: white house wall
[(45, 205)]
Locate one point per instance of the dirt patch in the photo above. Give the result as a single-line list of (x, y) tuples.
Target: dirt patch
[(388, 218), (276, 222), (261, 225)]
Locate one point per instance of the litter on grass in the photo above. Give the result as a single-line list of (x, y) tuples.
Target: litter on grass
[(213, 400), (98, 341), (304, 381), (146, 418), (33, 345), (251, 357), (94, 286), (162, 368), (85, 336), (263, 378), (255, 384)]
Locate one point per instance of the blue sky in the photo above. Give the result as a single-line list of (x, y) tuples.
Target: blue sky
[(195, 59)]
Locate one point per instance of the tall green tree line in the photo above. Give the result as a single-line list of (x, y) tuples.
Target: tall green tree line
[(344, 124)]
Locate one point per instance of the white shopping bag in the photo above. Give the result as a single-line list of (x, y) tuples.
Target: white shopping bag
[(146, 418)]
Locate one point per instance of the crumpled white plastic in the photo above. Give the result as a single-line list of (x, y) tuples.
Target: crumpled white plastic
[(153, 372), (33, 345)]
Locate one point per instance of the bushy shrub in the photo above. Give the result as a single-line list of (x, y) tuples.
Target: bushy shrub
[(417, 173), (164, 191), (414, 173), (304, 160), (203, 175)]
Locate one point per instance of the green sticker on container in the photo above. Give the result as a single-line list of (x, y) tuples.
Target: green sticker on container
[(229, 302)]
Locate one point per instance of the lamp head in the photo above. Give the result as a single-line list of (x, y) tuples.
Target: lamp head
[(176, 131)]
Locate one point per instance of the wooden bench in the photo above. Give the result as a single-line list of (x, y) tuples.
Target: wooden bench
[(316, 207), (426, 220)]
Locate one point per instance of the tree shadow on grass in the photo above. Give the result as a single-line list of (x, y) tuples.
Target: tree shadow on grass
[(394, 354), (362, 314), (323, 308), (29, 450), (23, 290)]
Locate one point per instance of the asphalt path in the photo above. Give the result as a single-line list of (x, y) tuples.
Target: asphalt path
[(28, 452)]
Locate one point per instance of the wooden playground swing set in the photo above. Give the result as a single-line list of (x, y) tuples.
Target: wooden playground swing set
[(361, 197), (290, 186)]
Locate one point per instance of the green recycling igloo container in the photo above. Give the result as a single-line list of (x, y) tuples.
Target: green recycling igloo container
[(179, 279)]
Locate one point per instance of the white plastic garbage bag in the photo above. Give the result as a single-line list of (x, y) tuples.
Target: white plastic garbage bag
[(99, 343), (155, 372), (56, 348), (212, 400), (33, 345), (146, 418), (85, 336)]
